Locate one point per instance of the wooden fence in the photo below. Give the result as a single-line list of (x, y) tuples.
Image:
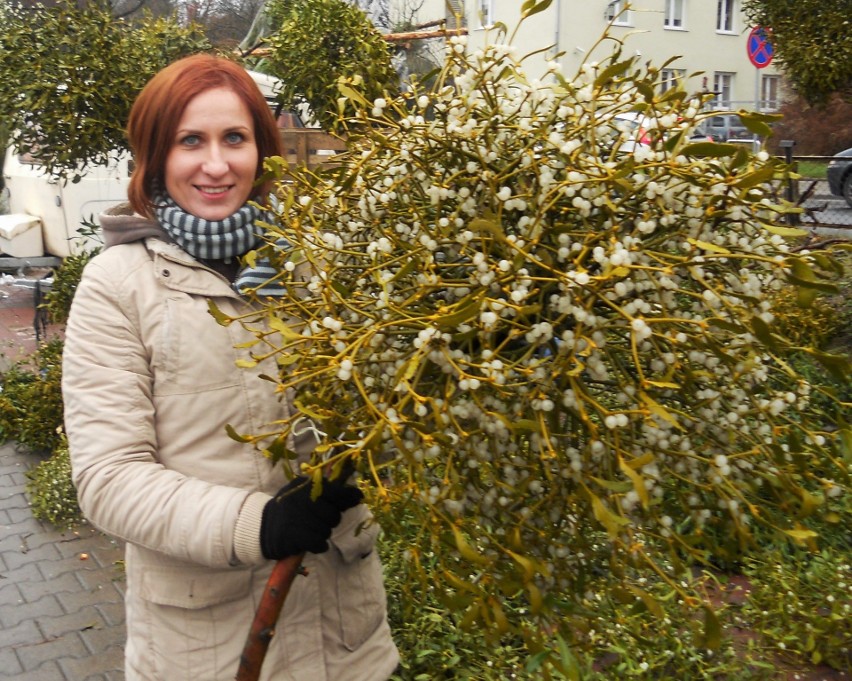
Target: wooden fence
[(309, 146)]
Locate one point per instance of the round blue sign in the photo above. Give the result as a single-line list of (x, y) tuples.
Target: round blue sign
[(759, 47)]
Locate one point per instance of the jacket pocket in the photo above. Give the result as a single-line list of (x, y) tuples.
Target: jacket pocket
[(361, 602), (181, 588), (182, 363), (185, 627)]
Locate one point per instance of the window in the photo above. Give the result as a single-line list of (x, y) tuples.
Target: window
[(674, 14), (725, 16), (670, 78), (723, 86), (769, 93), (616, 13), (455, 14), (486, 13)]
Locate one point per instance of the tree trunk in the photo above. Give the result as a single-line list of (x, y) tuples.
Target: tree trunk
[(266, 617)]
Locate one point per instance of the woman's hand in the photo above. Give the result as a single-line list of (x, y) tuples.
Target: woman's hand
[(293, 523)]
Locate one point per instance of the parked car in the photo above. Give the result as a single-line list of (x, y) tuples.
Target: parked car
[(727, 128), (839, 175), (639, 128)]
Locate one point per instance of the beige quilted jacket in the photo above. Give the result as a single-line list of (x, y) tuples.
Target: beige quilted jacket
[(150, 382)]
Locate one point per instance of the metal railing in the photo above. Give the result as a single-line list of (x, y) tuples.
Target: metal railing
[(820, 208)]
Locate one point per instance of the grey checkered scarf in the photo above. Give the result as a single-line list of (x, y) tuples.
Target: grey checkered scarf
[(209, 239), (222, 239)]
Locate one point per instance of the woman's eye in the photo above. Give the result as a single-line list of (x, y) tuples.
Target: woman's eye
[(234, 137), (190, 140)]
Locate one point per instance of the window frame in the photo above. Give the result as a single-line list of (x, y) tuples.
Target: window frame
[(726, 12), (770, 92), (670, 78), (723, 86), (485, 13), (616, 15), (675, 11)]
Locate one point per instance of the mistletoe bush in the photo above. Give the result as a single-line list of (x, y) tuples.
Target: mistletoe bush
[(53, 497), (31, 400), (317, 42), (555, 344), (811, 619), (69, 74), (66, 277)]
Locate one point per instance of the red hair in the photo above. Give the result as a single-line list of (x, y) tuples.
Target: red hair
[(157, 111)]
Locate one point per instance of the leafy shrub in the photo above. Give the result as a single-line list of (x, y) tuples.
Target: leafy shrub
[(812, 325), (31, 410), (431, 642), (810, 44), (52, 495), (555, 343), (801, 605), (824, 323), (787, 610), (817, 130), (315, 43), (66, 278), (69, 74)]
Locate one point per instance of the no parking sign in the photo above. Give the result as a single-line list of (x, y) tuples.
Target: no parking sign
[(759, 47)]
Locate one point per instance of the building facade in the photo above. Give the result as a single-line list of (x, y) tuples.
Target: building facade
[(708, 37)]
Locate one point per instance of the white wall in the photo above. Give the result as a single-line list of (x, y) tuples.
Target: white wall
[(574, 26)]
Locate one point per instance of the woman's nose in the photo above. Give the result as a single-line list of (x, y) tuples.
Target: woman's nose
[(215, 162)]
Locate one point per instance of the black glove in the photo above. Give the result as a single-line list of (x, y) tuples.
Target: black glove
[(293, 523)]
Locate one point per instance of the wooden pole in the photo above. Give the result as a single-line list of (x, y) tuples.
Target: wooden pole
[(266, 617), (423, 35), (260, 51)]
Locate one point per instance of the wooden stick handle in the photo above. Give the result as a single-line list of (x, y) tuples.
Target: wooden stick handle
[(266, 617)]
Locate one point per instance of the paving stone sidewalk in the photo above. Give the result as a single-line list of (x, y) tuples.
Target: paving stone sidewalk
[(61, 593)]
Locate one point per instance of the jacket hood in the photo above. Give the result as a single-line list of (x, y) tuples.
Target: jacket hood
[(121, 225)]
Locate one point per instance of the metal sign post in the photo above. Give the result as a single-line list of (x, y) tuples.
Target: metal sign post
[(760, 52), (759, 47)]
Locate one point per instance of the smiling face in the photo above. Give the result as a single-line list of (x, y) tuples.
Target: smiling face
[(212, 162)]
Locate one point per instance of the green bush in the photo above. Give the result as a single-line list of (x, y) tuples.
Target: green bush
[(318, 42), (69, 73), (788, 609), (31, 407), (31, 410), (52, 495), (800, 603), (811, 325), (432, 643), (66, 278), (824, 323), (558, 345)]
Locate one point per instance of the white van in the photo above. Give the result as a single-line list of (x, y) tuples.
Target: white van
[(60, 207)]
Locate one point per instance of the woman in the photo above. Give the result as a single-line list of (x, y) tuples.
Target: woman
[(150, 384)]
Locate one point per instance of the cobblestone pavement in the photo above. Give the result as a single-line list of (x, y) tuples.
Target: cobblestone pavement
[(61, 593)]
